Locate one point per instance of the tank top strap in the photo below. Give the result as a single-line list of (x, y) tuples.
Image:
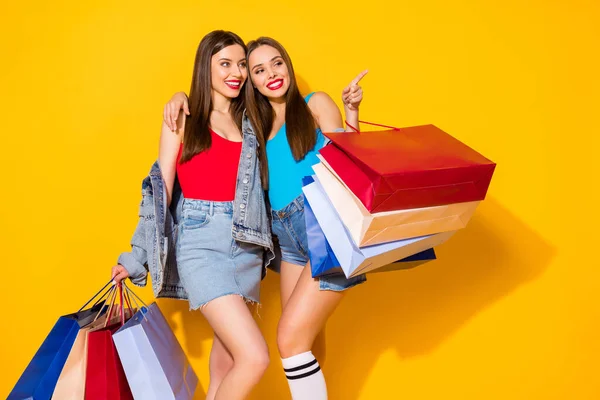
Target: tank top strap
[(308, 96)]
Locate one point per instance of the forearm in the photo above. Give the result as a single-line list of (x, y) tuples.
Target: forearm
[(351, 118)]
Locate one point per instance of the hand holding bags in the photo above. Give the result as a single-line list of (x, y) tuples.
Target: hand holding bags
[(79, 359)]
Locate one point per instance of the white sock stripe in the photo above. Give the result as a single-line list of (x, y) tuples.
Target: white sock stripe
[(303, 366), (298, 359), (304, 375)]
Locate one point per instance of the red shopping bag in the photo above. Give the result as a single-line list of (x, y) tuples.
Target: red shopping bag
[(398, 169), (105, 378)]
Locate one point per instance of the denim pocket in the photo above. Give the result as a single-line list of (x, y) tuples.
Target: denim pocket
[(194, 219)]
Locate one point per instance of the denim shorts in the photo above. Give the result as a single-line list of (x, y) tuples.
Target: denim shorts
[(210, 262), (290, 229)]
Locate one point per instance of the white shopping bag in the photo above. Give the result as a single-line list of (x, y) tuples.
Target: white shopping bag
[(353, 259), (154, 362)]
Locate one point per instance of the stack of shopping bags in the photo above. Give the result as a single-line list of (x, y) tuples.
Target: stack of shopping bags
[(109, 351), (381, 201)]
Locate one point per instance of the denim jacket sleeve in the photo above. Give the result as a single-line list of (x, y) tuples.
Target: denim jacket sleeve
[(136, 260)]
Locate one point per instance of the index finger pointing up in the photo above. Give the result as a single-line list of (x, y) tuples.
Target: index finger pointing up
[(359, 77)]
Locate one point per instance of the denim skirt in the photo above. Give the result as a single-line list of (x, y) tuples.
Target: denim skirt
[(210, 262)]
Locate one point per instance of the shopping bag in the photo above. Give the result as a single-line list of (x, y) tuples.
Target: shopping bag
[(399, 169), (367, 229), (355, 260), (153, 360), (105, 378), (41, 375), (71, 383), (322, 258)]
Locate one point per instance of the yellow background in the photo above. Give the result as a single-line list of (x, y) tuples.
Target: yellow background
[(509, 311)]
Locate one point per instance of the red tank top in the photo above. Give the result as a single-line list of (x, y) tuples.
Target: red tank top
[(212, 174)]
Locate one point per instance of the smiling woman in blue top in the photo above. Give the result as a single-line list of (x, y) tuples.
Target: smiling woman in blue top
[(293, 125)]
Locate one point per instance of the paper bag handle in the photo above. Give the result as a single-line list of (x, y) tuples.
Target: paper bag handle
[(96, 295), (121, 309), (371, 123)]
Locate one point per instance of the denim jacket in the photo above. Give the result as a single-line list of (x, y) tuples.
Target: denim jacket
[(155, 239)]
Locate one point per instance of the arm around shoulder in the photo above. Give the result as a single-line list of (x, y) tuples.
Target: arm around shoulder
[(170, 143)]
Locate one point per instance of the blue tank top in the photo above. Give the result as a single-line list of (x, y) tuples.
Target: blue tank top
[(285, 173)]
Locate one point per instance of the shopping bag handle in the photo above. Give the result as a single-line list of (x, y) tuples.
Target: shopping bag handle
[(96, 295), (128, 290), (121, 309), (113, 298), (144, 307), (110, 299), (371, 123)]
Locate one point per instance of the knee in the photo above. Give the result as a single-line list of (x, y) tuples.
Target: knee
[(290, 340), (221, 365), (261, 360), (255, 360)]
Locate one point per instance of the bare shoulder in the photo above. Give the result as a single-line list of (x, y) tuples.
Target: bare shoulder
[(321, 103), (319, 99)]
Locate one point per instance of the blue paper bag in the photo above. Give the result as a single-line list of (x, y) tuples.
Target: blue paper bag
[(39, 378)]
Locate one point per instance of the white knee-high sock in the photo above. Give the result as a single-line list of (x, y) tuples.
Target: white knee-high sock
[(305, 377)]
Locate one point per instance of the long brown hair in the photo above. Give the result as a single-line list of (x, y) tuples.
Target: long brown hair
[(196, 137), (300, 123)]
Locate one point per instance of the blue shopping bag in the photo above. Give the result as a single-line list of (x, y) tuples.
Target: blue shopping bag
[(39, 378)]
